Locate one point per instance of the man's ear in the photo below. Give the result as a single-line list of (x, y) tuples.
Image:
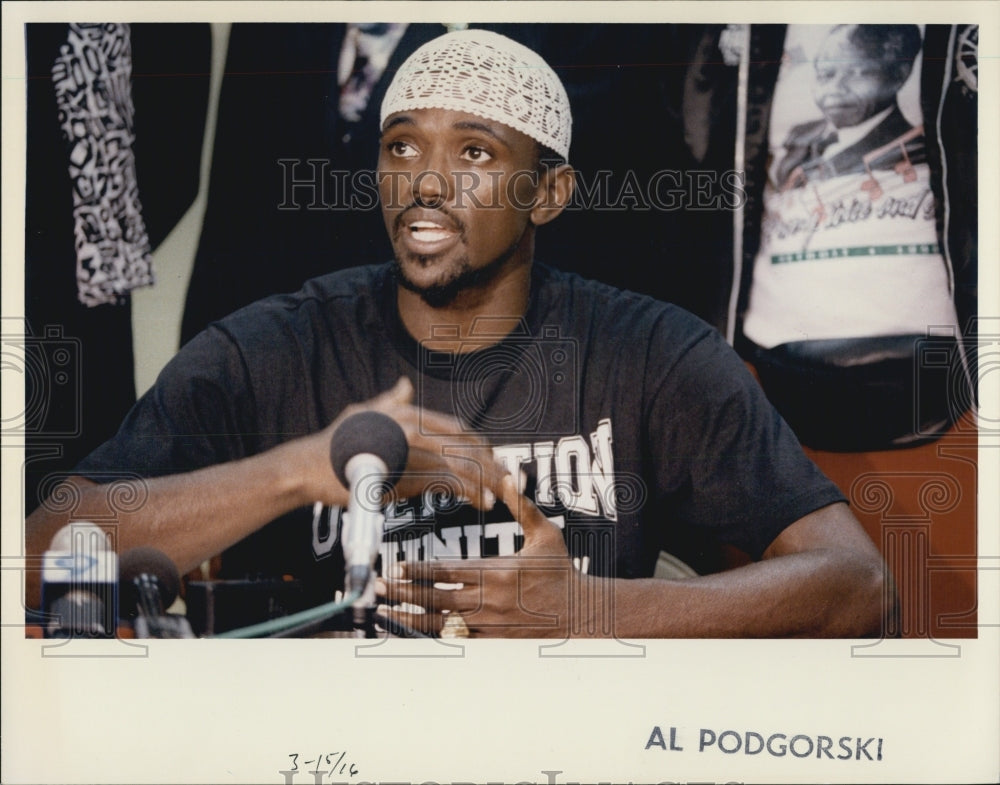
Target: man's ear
[(555, 189)]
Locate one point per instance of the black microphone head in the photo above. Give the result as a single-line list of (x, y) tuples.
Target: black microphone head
[(371, 432), (146, 561), (77, 614)]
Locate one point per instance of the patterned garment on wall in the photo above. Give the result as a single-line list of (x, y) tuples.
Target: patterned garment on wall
[(92, 76), (363, 60)]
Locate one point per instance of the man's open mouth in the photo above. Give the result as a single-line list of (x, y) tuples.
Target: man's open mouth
[(429, 232)]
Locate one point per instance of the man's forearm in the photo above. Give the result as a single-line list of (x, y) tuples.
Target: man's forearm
[(190, 517), (196, 515), (822, 593), (821, 576)]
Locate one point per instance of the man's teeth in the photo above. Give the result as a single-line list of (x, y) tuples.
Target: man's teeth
[(428, 231)]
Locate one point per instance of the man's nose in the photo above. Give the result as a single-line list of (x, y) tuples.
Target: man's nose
[(842, 80), (433, 185)]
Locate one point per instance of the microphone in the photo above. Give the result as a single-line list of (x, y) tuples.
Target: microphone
[(368, 452), (80, 583), (149, 585)]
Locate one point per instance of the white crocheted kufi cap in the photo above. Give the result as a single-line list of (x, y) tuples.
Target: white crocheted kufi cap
[(488, 75)]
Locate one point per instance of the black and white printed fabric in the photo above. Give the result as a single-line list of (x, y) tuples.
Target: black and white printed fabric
[(637, 425), (92, 76)]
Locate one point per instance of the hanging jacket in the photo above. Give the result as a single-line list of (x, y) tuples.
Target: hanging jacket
[(846, 394)]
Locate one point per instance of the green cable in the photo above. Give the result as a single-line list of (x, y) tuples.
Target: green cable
[(302, 617)]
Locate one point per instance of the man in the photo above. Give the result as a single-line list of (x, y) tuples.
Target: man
[(858, 72), (283, 190), (623, 418)]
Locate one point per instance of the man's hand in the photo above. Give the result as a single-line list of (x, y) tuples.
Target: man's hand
[(443, 454), (241, 496), (821, 577), (528, 595)]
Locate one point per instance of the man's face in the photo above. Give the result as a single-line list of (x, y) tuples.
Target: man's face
[(456, 194), (851, 86)]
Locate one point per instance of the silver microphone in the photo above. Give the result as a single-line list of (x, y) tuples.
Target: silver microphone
[(368, 452)]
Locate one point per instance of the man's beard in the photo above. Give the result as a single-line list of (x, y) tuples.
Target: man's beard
[(443, 292)]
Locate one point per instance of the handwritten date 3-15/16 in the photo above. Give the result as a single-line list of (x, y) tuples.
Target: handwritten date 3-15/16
[(328, 764)]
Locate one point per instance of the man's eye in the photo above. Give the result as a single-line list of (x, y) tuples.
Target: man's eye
[(401, 149), (476, 154)]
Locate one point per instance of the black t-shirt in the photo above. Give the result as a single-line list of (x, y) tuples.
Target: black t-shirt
[(633, 420)]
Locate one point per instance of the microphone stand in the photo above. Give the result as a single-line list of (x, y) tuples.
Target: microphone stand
[(364, 620), (152, 620), (363, 524)]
